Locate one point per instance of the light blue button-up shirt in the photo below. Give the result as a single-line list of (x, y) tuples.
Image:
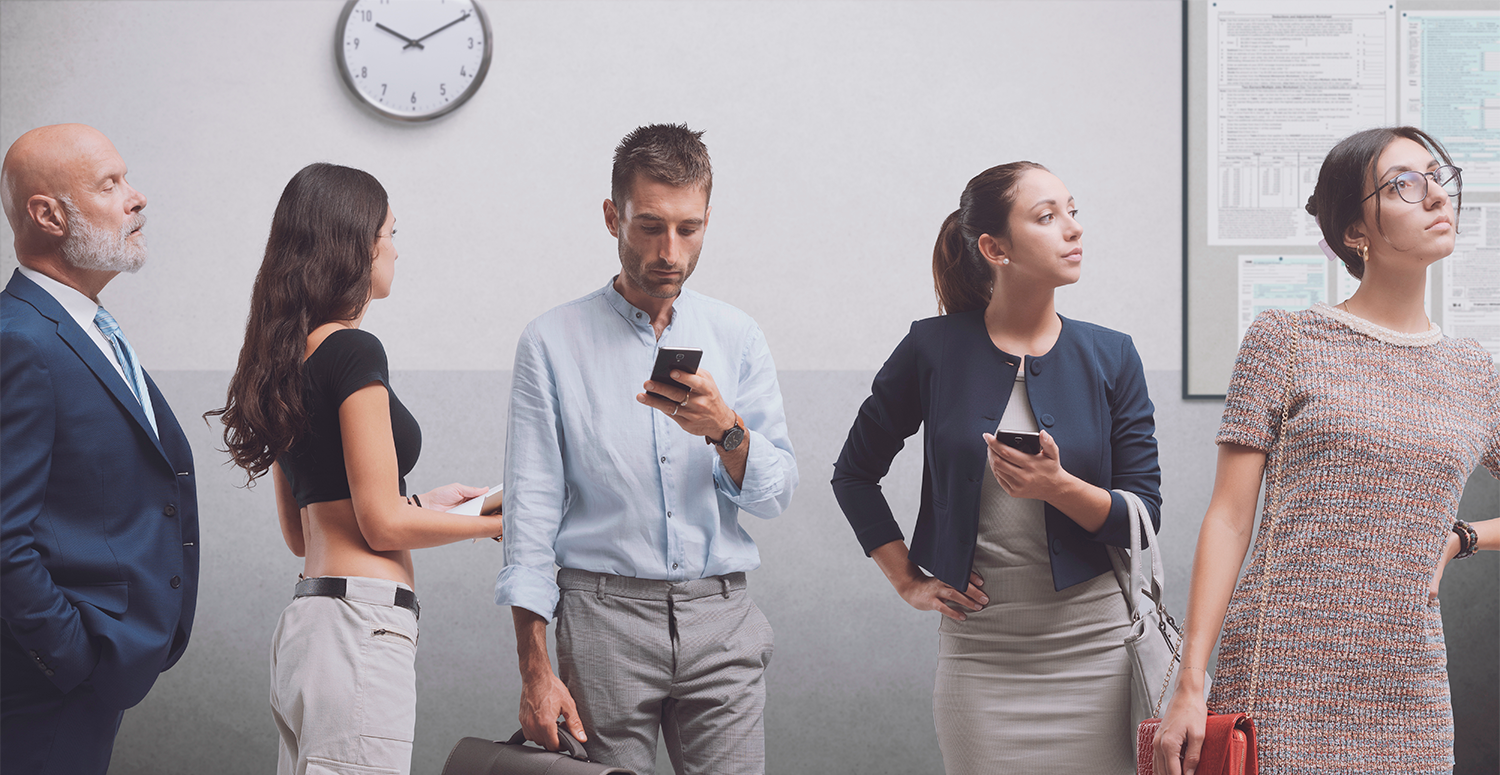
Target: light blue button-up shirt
[(596, 481)]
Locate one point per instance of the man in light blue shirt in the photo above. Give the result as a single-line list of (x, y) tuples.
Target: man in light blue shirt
[(636, 497)]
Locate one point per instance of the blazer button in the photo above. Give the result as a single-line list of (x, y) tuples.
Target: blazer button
[(1047, 420), (35, 654), (176, 582), (170, 510), (1036, 367), (49, 671), (1057, 546)]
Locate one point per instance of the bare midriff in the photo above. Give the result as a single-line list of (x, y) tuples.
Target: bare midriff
[(336, 547)]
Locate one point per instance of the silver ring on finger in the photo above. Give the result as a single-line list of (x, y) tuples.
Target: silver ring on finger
[(675, 408), (685, 399)]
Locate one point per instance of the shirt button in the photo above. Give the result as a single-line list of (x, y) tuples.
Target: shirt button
[(663, 459), (669, 515), (170, 510), (176, 582), (637, 316), (674, 566)]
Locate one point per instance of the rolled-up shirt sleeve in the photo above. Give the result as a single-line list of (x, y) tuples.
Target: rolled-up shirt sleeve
[(535, 488), (771, 468)]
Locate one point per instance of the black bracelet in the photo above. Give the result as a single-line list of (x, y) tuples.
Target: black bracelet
[(416, 500), (1468, 540)]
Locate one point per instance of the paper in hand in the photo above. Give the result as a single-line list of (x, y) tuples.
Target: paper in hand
[(489, 503)]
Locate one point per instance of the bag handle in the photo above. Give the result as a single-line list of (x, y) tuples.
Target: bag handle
[(1275, 505), (568, 744)]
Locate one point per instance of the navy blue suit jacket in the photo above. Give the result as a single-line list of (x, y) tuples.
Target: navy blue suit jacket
[(98, 519), (1088, 392)]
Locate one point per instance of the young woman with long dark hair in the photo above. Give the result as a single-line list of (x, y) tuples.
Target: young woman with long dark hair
[(1032, 675), (311, 404), (1333, 634)]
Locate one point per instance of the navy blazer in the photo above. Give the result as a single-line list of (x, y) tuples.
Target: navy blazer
[(98, 519), (1088, 392)]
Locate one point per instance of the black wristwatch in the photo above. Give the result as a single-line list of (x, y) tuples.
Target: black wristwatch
[(733, 437)]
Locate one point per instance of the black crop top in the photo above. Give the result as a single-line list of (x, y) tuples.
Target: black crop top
[(347, 360)]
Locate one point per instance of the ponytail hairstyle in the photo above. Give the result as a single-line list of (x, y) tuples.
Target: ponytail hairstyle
[(1337, 200), (316, 270), (961, 276)]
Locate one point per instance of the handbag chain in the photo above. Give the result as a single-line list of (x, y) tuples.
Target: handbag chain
[(1275, 505)]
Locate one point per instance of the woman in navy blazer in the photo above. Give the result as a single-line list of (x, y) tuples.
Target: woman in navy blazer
[(1031, 646)]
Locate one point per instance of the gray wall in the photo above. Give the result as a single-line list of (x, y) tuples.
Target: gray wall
[(842, 134)]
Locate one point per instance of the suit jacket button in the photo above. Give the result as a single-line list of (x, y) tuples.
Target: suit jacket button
[(176, 582), (35, 654), (170, 510), (49, 671), (1057, 546), (1036, 367), (1047, 420)]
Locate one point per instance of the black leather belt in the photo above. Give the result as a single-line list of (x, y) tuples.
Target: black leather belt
[(335, 586)]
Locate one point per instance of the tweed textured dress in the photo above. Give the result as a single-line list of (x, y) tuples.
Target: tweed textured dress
[(1383, 431)]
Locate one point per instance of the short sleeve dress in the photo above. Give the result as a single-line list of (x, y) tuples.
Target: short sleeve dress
[(1383, 430)]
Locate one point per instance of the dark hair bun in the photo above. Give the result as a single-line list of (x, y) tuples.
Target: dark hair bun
[(1312, 206)]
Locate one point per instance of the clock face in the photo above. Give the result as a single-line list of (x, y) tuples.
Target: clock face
[(413, 60)]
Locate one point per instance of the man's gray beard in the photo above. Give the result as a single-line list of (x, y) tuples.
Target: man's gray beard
[(87, 246)]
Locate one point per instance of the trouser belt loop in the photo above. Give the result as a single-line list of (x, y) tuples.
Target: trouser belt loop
[(599, 587), (724, 582)]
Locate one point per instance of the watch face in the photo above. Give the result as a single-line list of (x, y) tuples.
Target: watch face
[(733, 437), (413, 60)]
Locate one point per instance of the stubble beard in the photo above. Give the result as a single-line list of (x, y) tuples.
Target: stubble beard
[(87, 246), (633, 264)]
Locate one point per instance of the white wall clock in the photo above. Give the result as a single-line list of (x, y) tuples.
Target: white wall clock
[(413, 60)]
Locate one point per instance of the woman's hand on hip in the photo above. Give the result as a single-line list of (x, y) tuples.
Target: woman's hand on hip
[(1179, 739), (1040, 476), (927, 593), (1450, 550)]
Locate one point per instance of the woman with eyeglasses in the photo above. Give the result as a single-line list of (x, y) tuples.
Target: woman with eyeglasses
[(311, 404), (1033, 675), (1372, 421)]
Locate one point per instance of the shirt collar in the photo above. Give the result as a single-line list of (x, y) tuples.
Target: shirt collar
[(78, 306), (633, 314)]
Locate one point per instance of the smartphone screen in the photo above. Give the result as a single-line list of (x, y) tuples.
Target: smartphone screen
[(1030, 443), (679, 358)]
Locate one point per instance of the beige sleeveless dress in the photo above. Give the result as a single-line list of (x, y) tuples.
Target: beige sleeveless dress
[(1039, 681)]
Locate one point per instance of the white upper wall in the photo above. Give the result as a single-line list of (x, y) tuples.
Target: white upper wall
[(842, 134)]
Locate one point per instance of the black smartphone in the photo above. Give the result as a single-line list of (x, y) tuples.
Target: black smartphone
[(1030, 443), (679, 358)]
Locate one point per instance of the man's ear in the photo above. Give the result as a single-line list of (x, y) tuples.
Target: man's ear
[(612, 218), (47, 213)]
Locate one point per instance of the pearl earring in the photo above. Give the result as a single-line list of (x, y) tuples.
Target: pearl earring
[(1004, 261)]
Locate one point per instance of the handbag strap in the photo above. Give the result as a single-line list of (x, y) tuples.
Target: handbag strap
[(1275, 505)]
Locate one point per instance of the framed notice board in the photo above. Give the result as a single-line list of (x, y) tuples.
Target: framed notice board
[(1269, 86)]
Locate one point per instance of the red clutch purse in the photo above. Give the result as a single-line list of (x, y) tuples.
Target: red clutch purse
[(1228, 746)]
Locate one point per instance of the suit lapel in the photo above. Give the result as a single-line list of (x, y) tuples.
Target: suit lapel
[(79, 342)]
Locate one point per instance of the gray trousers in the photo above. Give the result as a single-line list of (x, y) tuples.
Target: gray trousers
[(344, 683), (687, 658)]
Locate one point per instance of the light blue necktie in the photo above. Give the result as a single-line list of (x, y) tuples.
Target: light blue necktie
[(125, 354)]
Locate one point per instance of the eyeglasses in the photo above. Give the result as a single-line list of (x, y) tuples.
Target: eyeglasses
[(1412, 186)]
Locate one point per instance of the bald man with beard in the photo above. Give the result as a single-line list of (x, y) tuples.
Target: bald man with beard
[(98, 506)]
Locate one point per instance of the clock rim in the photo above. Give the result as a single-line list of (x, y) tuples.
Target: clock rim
[(411, 118)]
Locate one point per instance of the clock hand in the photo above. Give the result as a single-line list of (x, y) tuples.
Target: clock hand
[(409, 41), (418, 41)]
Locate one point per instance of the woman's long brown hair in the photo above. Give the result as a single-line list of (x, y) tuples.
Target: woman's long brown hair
[(316, 270)]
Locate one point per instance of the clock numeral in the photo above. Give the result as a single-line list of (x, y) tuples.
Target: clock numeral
[(462, 72), (443, 89), (356, 43), (413, 98), (382, 90), (364, 15), (364, 72), (471, 43)]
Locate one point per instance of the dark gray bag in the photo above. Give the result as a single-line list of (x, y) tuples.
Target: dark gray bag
[(477, 756)]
